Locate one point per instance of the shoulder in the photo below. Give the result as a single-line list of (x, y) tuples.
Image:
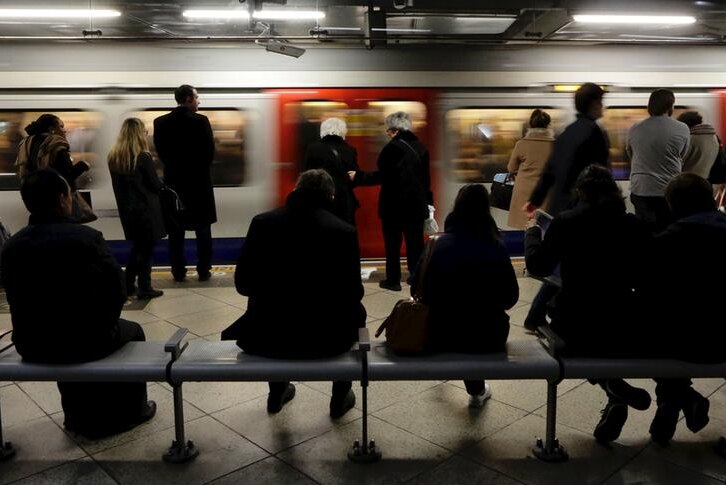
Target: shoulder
[(334, 223), (200, 118), (144, 157)]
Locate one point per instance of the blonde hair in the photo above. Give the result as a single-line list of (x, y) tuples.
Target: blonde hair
[(131, 142)]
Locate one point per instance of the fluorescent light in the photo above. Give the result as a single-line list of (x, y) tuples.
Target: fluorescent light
[(216, 14), (635, 19), (352, 29), (60, 13), (400, 30), (288, 15)]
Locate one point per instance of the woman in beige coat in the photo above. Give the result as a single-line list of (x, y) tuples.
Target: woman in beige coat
[(526, 164)]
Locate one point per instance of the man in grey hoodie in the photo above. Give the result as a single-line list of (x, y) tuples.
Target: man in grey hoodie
[(704, 145)]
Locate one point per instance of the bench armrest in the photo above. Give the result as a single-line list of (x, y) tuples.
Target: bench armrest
[(174, 343), (550, 340), (364, 339)]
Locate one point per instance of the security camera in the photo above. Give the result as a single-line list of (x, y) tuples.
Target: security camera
[(401, 4), (284, 49)]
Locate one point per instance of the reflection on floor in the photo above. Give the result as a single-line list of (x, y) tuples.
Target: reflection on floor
[(426, 431)]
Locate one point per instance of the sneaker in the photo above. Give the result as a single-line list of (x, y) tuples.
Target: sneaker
[(275, 403), (664, 423), (478, 400), (149, 294), (612, 421), (634, 397), (338, 408), (695, 409), (386, 285)]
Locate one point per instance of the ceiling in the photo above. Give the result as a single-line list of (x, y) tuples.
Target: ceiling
[(378, 23)]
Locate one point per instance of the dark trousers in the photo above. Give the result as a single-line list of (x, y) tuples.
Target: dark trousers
[(538, 310), (98, 409), (652, 210), (340, 389), (394, 231), (672, 390), (139, 265), (474, 388), (204, 250)]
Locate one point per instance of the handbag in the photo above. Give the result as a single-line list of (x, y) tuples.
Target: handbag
[(172, 209), (407, 327), (501, 191), (82, 211)]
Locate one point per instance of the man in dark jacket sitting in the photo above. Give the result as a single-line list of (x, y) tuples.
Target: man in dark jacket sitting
[(300, 267), (66, 293)]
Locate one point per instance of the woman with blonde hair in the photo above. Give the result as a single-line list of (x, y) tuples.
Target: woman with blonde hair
[(137, 187)]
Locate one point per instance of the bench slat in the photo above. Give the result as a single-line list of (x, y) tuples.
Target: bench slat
[(611, 368)]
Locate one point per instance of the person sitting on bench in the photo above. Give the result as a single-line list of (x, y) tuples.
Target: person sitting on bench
[(66, 292), (683, 301), (600, 250), (468, 285), (300, 268)]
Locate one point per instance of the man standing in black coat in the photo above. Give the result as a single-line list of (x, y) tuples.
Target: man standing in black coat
[(66, 293), (185, 144), (300, 268)]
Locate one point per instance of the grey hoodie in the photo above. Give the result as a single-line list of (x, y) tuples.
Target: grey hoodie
[(702, 150)]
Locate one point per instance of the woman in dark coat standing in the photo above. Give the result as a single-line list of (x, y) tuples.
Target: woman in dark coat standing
[(137, 187), (332, 154)]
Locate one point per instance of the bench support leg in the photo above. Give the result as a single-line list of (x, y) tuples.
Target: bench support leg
[(6, 448), (550, 450), (364, 451), (181, 451)]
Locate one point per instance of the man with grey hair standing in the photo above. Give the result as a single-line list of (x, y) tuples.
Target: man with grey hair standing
[(403, 174)]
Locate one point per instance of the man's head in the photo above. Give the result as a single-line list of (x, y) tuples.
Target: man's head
[(186, 95), (588, 100), (689, 194), (398, 121), (661, 102), (316, 182), (46, 194)]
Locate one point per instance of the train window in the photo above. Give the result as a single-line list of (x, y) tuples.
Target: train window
[(82, 131), (229, 128), (483, 139)]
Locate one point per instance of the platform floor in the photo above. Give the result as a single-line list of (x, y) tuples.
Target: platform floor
[(425, 429)]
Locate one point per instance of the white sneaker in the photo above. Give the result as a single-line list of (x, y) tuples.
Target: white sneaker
[(479, 400)]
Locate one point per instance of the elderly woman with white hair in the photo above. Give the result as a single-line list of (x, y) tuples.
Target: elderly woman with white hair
[(332, 154), (403, 174)]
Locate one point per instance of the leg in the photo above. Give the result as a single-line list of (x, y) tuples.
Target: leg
[(145, 251), (550, 450), (414, 245), (132, 269), (204, 250), (343, 399), (280, 394), (6, 448), (479, 393), (474, 388), (537, 315), (392, 241), (176, 254)]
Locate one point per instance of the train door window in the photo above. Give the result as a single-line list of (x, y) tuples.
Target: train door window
[(81, 131), (229, 126), (374, 121), (305, 117), (483, 139)]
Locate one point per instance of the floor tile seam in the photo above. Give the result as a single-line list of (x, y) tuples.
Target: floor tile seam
[(268, 452), (438, 445), (234, 471), (457, 454), (46, 470), (624, 465), (33, 401), (372, 412), (302, 472), (215, 298), (189, 314), (226, 408), (559, 397), (686, 467)]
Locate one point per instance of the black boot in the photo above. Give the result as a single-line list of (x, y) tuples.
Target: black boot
[(612, 421)]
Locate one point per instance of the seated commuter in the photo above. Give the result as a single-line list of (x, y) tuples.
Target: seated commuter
[(66, 293), (469, 283), (687, 302), (300, 267), (704, 145), (599, 248)]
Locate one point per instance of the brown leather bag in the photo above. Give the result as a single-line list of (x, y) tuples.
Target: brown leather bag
[(407, 329)]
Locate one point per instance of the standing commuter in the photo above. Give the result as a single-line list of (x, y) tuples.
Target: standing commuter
[(66, 293), (527, 162), (703, 147), (582, 143), (332, 154), (469, 283), (403, 174), (657, 147), (137, 187), (185, 144), (300, 268)]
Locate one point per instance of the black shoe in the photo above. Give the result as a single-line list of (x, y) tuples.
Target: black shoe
[(612, 421), (664, 423), (385, 284), (148, 413), (338, 408), (205, 276), (180, 276), (275, 403), (634, 397), (695, 409), (149, 294)]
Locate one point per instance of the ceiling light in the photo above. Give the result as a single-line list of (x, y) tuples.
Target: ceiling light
[(635, 19), (288, 15), (400, 30), (216, 14), (64, 13)]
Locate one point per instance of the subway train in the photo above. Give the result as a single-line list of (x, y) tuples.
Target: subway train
[(262, 127)]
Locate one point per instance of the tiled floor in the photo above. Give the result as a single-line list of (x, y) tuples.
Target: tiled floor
[(425, 429)]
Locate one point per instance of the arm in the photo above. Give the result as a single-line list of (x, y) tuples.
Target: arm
[(208, 142), (545, 183), (64, 165), (248, 264), (543, 255), (427, 178), (160, 142), (111, 276), (151, 180), (386, 164), (508, 287), (352, 275), (514, 160)]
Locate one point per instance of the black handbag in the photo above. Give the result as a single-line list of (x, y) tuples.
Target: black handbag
[(172, 209), (501, 193)]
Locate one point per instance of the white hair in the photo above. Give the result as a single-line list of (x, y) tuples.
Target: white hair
[(333, 126), (398, 121)]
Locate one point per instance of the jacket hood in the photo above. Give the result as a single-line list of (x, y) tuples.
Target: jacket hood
[(712, 218), (703, 129), (302, 201)]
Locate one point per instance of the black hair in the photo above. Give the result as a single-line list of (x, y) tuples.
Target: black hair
[(587, 94), (183, 92), (316, 181), (43, 124), (596, 187), (41, 191), (472, 212), (689, 194), (661, 101), (691, 118), (539, 119)]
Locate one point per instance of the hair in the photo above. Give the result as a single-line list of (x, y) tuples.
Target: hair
[(43, 124), (661, 101), (587, 94), (41, 192), (596, 187), (333, 126), (539, 119), (316, 181), (399, 121), (689, 194), (183, 92), (691, 118), (472, 212), (130, 143)]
